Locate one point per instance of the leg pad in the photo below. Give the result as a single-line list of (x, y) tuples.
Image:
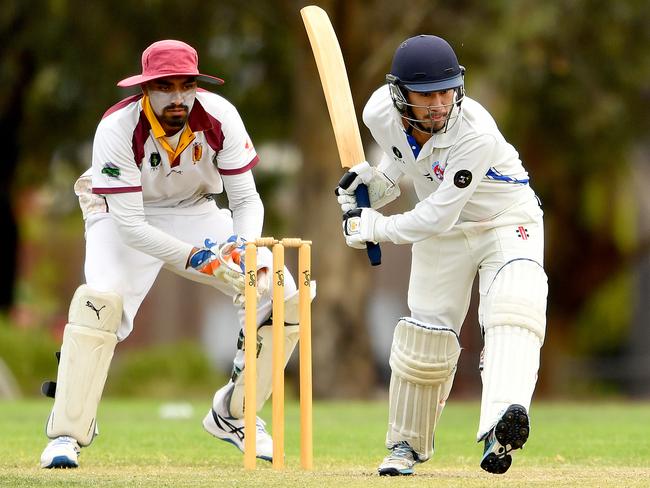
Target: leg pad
[(423, 362), (89, 340)]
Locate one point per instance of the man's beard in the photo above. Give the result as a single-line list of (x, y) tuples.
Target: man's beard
[(175, 121)]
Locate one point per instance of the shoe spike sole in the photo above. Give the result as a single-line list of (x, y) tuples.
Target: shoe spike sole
[(511, 430)]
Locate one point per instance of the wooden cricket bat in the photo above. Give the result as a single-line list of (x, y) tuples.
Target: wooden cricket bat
[(336, 88)]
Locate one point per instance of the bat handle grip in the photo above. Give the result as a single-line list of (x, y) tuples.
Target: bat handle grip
[(363, 200)]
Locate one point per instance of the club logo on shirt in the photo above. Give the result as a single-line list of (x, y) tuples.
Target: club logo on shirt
[(111, 170), (438, 170), (197, 151), (249, 147), (154, 160), (463, 178)]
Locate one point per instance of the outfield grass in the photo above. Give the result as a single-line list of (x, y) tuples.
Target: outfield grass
[(571, 445)]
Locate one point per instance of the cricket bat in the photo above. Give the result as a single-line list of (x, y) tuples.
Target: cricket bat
[(336, 88)]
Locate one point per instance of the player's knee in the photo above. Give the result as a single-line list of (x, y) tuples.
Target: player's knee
[(517, 298), (95, 310), (422, 353)]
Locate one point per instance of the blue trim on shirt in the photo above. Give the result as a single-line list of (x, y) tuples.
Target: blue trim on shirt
[(493, 174)]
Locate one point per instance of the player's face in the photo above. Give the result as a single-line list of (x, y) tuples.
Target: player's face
[(432, 108), (172, 99)]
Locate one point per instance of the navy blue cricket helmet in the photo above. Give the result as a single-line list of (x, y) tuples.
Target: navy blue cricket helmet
[(424, 63)]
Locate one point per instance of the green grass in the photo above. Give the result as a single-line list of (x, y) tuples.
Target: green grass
[(601, 444)]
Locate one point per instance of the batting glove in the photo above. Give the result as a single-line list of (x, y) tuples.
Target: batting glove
[(358, 227), (381, 189)]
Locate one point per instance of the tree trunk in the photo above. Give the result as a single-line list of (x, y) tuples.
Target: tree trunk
[(18, 68), (342, 356), (637, 358)]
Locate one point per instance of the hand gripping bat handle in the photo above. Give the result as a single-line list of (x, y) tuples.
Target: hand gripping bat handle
[(363, 200)]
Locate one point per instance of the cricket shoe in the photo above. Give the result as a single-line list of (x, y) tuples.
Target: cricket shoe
[(61, 452), (231, 430), (509, 433), (400, 461)]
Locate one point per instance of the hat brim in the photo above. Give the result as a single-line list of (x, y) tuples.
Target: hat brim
[(454, 82), (140, 79)]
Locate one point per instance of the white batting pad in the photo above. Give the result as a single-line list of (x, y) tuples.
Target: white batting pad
[(423, 362), (88, 343), (264, 367), (513, 316)]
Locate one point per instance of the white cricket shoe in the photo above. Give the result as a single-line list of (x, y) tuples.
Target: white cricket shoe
[(508, 434), (400, 461), (231, 430), (61, 452)]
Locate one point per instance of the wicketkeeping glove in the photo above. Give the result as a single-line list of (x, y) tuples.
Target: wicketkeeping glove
[(223, 261)]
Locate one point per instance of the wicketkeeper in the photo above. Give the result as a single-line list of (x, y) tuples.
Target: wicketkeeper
[(158, 157), (477, 213)]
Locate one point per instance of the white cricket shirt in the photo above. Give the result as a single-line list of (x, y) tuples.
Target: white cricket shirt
[(127, 156), (468, 174), (139, 173)]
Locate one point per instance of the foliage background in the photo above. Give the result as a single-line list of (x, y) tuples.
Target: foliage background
[(566, 81)]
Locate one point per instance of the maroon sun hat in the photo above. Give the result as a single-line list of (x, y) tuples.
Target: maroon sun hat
[(169, 58)]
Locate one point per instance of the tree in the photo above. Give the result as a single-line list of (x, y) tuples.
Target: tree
[(568, 90)]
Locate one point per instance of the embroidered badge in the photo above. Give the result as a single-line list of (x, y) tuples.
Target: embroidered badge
[(111, 170), (197, 151), (463, 178), (154, 160), (438, 170)]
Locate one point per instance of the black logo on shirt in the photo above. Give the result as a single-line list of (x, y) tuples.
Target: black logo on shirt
[(397, 152), (154, 160), (463, 178)]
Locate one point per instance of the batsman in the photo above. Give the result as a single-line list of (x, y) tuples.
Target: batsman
[(476, 214), (147, 201)]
